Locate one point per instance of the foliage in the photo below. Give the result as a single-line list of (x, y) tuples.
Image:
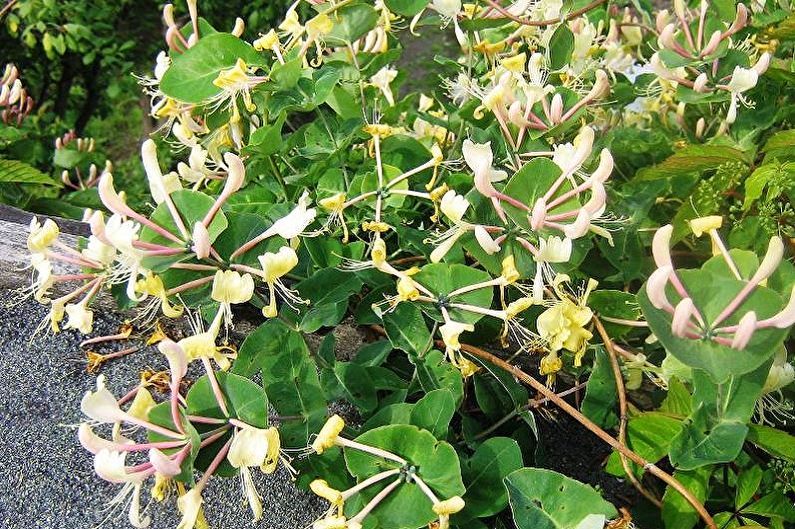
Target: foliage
[(511, 207)]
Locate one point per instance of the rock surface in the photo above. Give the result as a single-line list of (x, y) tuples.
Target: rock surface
[(47, 477)]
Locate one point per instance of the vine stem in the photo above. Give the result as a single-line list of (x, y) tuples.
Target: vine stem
[(541, 23), (622, 406), (590, 425)]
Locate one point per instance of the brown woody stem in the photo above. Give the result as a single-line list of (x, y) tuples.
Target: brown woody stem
[(622, 406)]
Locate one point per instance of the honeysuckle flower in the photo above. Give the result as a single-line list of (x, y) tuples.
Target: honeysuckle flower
[(41, 237), (234, 82), (151, 286), (190, 505), (321, 488), (450, 332), (742, 80), (110, 466), (274, 267), (772, 406), (98, 251), (479, 157), (570, 156), (43, 278), (250, 447), (328, 434), (101, 405), (160, 185), (447, 507), (553, 249), (335, 205), (295, 222), (230, 287), (196, 170), (562, 326), (267, 41), (80, 317), (381, 80)]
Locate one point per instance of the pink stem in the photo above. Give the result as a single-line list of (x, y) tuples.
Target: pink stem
[(219, 457), (205, 420), (219, 396), (190, 284)]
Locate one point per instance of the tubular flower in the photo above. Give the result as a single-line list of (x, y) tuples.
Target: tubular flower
[(447, 507), (190, 505), (328, 434), (451, 331), (772, 407), (230, 287), (152, 285), (274, 267), (562, 326), (454, 206), (41, 237), (381, 80)]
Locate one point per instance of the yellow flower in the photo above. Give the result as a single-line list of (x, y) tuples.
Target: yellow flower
[(509, 271), (274, 448), (451, 331), (703, 225), (407, 289), (516, 307), (378, 253), (189, 504), (514, 64), (562, 327), (378, 227), (231, 78), (322, 489), (266, 41), (333, 203), (320, 25), (328, 434), (449, 506), (152, 285), (249, 447), (41, 237), (231, 287), (275, 266), (80, 317), (142, 404)]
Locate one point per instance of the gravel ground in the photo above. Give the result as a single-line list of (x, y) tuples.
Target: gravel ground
[(47, 478)]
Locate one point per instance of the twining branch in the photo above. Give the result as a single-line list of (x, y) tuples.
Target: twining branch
[(622, 407), (590, 425), (541, 23)]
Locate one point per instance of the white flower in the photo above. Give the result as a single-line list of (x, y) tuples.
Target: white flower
[(80, 317), (454, 206), (249, 447), (98, 251), (232, 287), (448, 9), (295, 222), (382, 79), (41, 237), (101, 405)]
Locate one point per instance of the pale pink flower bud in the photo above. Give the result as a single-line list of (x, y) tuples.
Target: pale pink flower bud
[(684, 310), (236, 173), (596, 204), (111, 199), (773, 256), (556, 108), (660, 246), (655, 288), (666, 38), (168, 15), (700, 83), (601, 86), (515, 114), (163, 464), (177, 359), (762, 63), (485, 241), (785, 317), (605, 167), (662, 20), (700, 125), (740, 20), (240, 26), (580, 225), (712, 44), (745, 330), (201, 240), (538, 215)]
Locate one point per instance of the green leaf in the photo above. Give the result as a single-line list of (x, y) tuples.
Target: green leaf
[(68, 158), (601, 396), (407, 8), (694, 158), (615, 304), (773, 505), (289, 377), (436, 462), (406, 329), (649, 435), (245, 399), (354, 383), (443, 278), (543, 499), (560, 48), (328, 291), (434, 411), (161, 415), (677, 513), (351, 22), (710, 294), (22, 173), (483, 474), (717, 428), (678, 398), (192, 207), (191, 75), (774, 441), (747, 486), (435, 372)]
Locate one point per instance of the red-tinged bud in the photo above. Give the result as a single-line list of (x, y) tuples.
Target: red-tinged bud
[(681, 320), (745, 330)]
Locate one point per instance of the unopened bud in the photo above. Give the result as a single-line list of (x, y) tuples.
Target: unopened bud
[(700, 83), (556, 108)]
